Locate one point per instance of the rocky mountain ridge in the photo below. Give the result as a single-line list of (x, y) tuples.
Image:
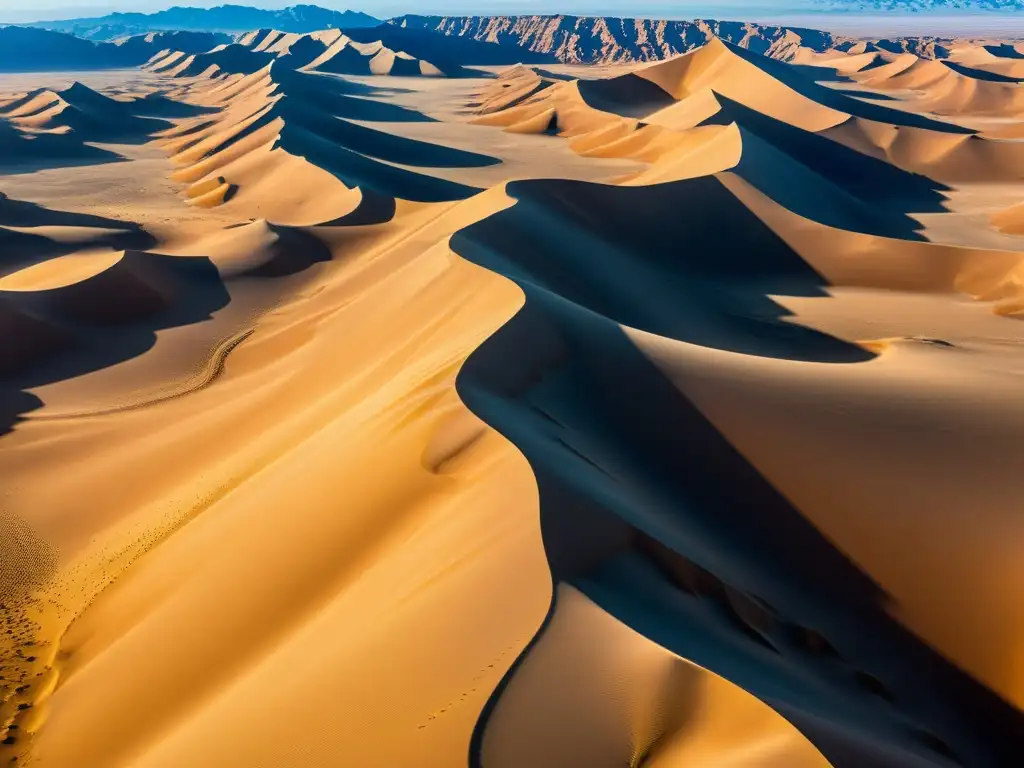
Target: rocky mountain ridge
[(918, 6), (224, 18), (611, 40), (27, 49)]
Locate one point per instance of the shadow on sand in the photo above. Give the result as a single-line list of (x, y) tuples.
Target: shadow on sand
[(53, 335), (840, 101), (649, 510), (113, 316), (22, 154), (826, 181), (20, 248)]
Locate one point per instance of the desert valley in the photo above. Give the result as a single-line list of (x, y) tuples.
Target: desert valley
[(497, 392)]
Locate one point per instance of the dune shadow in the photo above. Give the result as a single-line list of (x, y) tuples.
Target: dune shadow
[(819, 74), (159, 105), (982, 74), (109, 129), (20, 153), (21, 213), (1004, 51), (626, 95), (826, 181), (20, 247), (336, 96), (52, 335), (378, 144), (235, 59), (92, 116), (313, 120), (302, 52), (649, 509), (294, 251), (840, 101), (357, 170), (631, 255), (374, 208)]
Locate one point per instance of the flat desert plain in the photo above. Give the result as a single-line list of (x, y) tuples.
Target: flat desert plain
[(355, 411)]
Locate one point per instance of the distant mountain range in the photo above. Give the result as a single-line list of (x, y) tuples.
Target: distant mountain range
[(606, 40), (224, 18), (449, 42), (26, 49), (917, 6), (572, 31), (609, 39)]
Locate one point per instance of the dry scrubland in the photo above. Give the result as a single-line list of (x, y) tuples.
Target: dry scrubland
[(361, 409)]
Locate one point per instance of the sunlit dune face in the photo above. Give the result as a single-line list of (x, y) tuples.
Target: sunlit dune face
[(60, 272)]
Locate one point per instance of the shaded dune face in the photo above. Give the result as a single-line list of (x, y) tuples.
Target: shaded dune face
[(819, 151), (707, 284), (649, 511), (328, 52), (29, 234), (885, 698), (555, 418), (51, 129), (88, 114), (276, 120), (106, 318)]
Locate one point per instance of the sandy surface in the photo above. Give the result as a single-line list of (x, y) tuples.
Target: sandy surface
[(352, 414)]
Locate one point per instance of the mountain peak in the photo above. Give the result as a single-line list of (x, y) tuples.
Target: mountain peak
[(223, 18)]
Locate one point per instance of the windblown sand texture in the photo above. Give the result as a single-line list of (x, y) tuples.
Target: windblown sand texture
[(358, 409)]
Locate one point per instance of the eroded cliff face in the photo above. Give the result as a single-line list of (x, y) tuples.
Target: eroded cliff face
[(608, 40), (605, 40)]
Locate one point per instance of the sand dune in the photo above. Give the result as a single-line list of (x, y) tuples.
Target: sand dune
[(329, 51), (79, 110), (279, 122), (672, 712), (700, 82), (588, 476), (657, 415), (21, 150), (948, 88)]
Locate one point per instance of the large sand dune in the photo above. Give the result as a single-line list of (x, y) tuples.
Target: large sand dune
[(570, 417)]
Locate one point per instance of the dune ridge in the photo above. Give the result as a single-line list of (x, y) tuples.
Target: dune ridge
[(672, 118), (579, 470), (554, 416), (279, 122), (330, 51)]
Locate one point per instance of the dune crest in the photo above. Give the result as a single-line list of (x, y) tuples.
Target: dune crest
[(330, 51)]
